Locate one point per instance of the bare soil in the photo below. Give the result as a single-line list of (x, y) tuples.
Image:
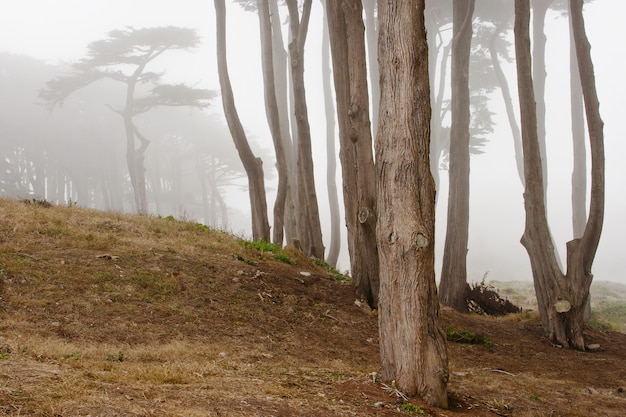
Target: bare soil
[(103, 314)]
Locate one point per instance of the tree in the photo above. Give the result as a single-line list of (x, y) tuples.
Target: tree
[(273, 119), (412, 343), (252, 164), (331, 154), (454, 269), (309, 227), (561, 297), (123, 56), (347, 38)]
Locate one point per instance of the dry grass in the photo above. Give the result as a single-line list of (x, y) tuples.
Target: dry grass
[(104, 314)]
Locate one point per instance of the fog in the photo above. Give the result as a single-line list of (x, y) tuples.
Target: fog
[(84, 142)]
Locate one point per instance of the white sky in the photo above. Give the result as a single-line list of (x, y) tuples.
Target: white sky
[(59, 30)]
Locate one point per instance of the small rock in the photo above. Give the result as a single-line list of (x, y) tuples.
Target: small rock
[(305, 273), (592, 390), (55, 324), (594, 347), (379, 404)]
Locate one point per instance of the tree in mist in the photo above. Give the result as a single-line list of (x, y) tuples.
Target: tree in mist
[(252, 164), (331, 152), (273, 118), (412, 343), (309, 227), (561, 297), (347, 38), (123, 56), (61, 157), (454, 269), (439, 24)]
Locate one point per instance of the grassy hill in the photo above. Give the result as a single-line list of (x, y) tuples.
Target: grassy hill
[(105, 314)]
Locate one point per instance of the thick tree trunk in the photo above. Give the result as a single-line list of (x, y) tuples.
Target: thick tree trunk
[(331, 154), (561, 298), (454, 269), (310, 227), (252, 164), (273, 119), (357, 160), (412, 343)]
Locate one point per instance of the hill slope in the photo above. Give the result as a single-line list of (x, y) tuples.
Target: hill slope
[(105, 314)]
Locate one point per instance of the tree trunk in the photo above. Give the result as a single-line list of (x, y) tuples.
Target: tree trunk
[(508, 101), (371, 36), (282, 93), (579, 170), (412, 343), (346, 29), (273, 119), (561, 298), (331, 155), (252, 164), (540, 8), (310, 227), (454, 269)]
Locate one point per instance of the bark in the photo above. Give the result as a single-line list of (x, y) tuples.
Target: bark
[(331, 155), (357, 160), (273, 119), (412, 343), (454, 268), (561, 298), (310, 231), (252, 164)]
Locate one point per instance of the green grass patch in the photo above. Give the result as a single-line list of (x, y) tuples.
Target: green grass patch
[(465, 336), (266, 247)]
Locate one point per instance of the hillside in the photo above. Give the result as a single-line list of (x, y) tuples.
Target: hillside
[(104, 314)]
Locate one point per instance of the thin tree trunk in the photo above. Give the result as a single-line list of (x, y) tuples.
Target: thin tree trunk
[(581, 252), (310, 227), (282, 94), (508, 101), (371, 36), (579, 170), (357, 161), (331, 155), (412, 342), (454, 269), (252, 164), (540, 8), (273, 119)]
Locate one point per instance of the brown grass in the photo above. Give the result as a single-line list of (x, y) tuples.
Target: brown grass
[(105, 314)]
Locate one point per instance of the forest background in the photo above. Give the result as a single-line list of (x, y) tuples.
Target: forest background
[(56, 33)]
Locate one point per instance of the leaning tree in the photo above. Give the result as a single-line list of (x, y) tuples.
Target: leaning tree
[(123, 56), (561, 297)]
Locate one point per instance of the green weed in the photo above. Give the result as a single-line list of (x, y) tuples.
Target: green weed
[(465, 336), (412, 409)]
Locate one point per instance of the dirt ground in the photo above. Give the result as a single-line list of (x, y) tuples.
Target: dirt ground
[(169, 323)]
